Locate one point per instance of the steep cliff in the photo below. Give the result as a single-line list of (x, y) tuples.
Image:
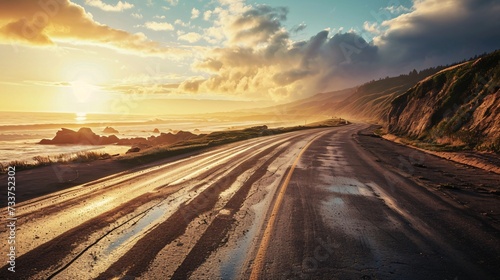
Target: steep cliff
[(459, 106)]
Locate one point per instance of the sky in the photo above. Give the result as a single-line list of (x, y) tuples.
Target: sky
[(189, 57)]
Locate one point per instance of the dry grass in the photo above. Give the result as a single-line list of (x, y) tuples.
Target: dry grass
[(48, 160)]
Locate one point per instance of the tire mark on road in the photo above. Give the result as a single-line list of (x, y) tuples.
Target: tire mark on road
[(136, 261), (261, 253), (213, 237)]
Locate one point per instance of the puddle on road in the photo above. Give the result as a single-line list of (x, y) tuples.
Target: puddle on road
[(234, 257), (340, 187), (337, 201), (340, 207), (333, 160), (345, 185), (150, 218), (234, 262)]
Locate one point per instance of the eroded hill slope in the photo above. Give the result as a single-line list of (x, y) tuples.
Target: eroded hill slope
[(459, 106)]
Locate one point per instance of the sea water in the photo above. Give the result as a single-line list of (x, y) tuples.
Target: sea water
[(20, 132)]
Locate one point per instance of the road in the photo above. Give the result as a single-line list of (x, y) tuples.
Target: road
[(315, 204)]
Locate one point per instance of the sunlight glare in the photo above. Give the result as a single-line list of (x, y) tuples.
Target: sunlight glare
[(82, 90), (80, 117)]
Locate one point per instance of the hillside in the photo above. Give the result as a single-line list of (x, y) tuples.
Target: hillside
[(458, 106), (371, 101), (314, 108), (368, 101)]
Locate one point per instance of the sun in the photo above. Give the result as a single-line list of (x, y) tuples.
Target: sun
[(83, 90)]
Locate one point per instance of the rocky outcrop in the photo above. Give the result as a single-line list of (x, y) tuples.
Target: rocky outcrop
[(133, 150), (170, 138), (110, 130), (85, 136)]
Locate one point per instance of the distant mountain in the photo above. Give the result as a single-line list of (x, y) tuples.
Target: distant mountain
[(459, 105)]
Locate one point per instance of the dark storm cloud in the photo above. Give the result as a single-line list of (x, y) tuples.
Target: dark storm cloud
[(441, 32)]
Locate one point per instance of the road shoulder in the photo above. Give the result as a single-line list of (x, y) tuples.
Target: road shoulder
[(474, 189)]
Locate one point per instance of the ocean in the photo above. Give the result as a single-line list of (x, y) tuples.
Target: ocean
[(20, 132)]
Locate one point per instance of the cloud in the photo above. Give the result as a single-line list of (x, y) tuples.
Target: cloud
[(136, 15), (298, 28), (120, 6), (258, 25), (191, 85), (190, 37), (258, 59), (195, 13), (158, 26), (45, 23), (397, 9), (207, 15), (173, 2), (149, 88), (221, 17), (181, 23), (440, 31), (47, 83), (371, 27)]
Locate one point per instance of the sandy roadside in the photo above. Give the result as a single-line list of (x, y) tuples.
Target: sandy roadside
[(485, 161)]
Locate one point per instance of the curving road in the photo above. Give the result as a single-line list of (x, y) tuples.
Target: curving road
[(312, 204)]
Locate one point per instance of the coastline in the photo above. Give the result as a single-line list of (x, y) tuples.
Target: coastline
[(20, 135)]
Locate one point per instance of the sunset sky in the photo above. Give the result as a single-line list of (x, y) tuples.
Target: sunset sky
[(163, 56)]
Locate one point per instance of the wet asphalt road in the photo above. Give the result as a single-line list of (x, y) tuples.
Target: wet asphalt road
[(316, 204), (347, 216)]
